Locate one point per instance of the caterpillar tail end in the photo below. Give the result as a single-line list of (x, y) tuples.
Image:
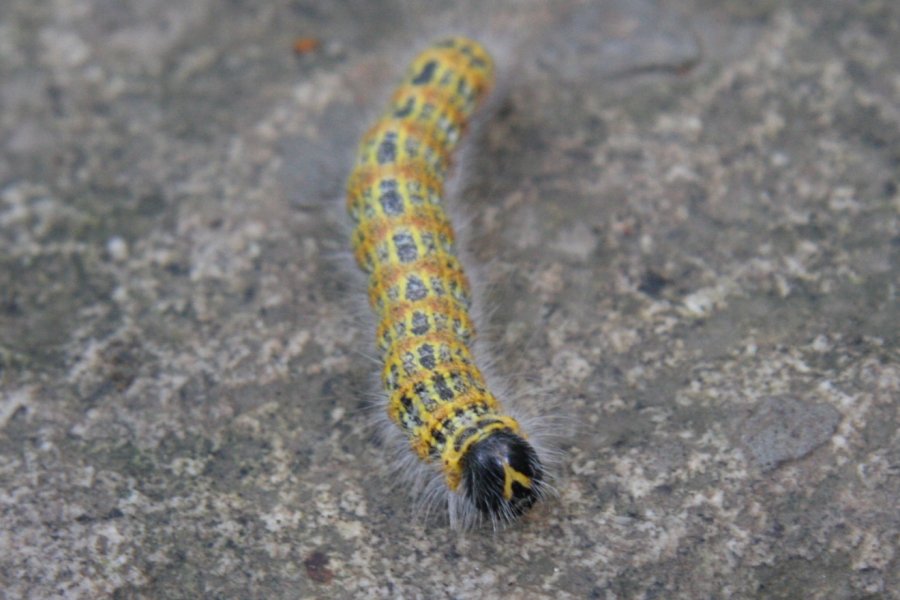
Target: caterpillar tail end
[(502, 476)]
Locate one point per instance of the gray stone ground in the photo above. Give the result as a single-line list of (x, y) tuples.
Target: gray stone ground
[(688, 217)]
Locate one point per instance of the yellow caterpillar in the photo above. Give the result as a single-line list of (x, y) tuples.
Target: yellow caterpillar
[(404, 242)]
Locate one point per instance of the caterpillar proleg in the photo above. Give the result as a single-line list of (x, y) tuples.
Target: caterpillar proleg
[(404, 242)]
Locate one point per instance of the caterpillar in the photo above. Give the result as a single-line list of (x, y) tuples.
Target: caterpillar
[(404, 243)]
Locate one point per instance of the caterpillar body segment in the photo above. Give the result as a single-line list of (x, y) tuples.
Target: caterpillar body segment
[(403, 240)]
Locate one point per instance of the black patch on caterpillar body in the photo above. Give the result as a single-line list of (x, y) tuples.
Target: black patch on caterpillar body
[(425, 74)]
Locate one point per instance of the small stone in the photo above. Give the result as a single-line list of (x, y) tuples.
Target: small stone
[(117, 249), (785, 428)]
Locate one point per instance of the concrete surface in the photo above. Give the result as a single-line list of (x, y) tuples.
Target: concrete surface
[(687, 212)]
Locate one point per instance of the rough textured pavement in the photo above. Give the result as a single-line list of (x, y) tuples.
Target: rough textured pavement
[(687, 217)]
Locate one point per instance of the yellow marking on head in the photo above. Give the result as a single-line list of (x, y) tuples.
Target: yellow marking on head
[(503, 422), (510, 476)]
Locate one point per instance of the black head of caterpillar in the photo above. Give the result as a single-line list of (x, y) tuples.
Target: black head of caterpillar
[(502, 476)]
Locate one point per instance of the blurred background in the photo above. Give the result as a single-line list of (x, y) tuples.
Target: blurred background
[(685, 216)]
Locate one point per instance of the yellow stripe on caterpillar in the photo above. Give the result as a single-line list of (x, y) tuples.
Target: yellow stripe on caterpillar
[(439, 320)]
